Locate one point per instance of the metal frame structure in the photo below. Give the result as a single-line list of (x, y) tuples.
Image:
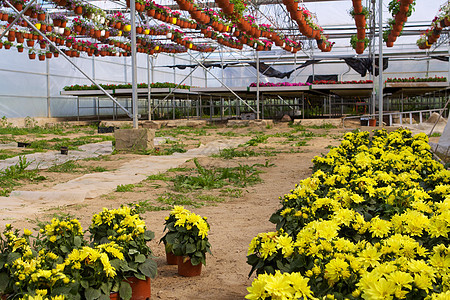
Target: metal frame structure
[(256, 108)]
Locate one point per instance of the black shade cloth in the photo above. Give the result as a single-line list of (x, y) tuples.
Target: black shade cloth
[(362, 65), (312, 78), (268, 71), (441, 58), (207, 65)]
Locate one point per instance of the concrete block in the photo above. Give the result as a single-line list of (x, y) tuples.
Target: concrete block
[(134, 139), (151, 124)]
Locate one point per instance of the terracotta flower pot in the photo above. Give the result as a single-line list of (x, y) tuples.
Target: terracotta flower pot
[(389, 44), (32, 55), (359, 47), (42, 57), (361, 33), (114, 296), (78, 10), (186, 269), (360, 21), (357, 6), (141, 289)]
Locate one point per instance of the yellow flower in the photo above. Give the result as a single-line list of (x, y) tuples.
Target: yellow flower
[(380, 290), (379, 227), (335, 270)]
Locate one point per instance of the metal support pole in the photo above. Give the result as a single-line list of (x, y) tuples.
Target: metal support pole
[(20, 14), (380, 63), (149, 90), (257, 85), (49, 114), (133, 64)]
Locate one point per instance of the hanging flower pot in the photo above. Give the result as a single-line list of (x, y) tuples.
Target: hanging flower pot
[(41, 17), (361, 33), (360, 21), (357, 6), (32, 55), (11, 36), (360, 47), (41, 57), (57, 22), (30, 43), (18, 6), (78, 10), (97, 34)]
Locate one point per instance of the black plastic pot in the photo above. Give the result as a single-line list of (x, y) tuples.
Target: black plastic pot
[(106, 129), (64, 150), (23, 144)]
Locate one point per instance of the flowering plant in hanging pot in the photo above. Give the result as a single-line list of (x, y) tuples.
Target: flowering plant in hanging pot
[(124, 227)]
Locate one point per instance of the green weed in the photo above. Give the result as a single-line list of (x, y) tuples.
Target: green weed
[(240, 176), (145, 206), (231, 192), (159, 176), (67, 167), (323, 126), (177, 199), (230, 153), (125, 188)]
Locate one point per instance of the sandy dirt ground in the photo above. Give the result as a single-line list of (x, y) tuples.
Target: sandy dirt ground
[(234, 222)]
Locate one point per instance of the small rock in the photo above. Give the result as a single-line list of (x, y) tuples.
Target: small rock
[(286, 118)]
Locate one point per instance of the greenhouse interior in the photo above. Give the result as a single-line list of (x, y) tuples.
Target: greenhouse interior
[(224, 149), (306, 60)]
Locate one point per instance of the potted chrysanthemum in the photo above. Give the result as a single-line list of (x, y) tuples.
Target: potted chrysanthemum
[(125, 227), (188, 239)]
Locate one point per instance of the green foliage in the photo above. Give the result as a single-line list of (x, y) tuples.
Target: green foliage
[(159, 176), (177, 199), (10, 177), (145, 206), (125, 188), (257, 140), (240, 176), (229, 153)]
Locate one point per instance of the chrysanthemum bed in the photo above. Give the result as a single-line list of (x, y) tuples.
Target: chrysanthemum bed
[(372, 222)]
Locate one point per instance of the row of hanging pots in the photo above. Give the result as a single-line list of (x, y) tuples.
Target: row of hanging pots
[(400, 20), (308, 31)]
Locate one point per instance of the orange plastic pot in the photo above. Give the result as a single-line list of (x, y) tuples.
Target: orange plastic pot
[(186, 269), (141, 289), (171, 258), (373, 122), (114, 296)]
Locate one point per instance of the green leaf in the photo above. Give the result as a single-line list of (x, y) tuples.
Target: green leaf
[(92, 294), (149, 235), (77, 241), (12, 257), (104, 297), (140, 258), (64, 249), (84, 283), (190, 248), (132, 251), (125, 290), (148, 268), (4, 280)]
